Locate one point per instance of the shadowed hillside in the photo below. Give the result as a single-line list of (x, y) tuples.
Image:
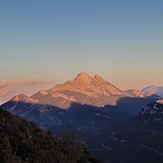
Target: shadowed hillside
[(24, 141)]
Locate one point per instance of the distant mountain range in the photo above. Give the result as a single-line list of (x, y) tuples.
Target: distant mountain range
[(84, 89), (95, 108)]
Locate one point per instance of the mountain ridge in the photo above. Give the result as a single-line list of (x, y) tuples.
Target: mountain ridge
[(154, 88), (83, 89)]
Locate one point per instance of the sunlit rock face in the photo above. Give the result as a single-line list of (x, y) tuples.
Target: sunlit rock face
[(160, 101), (23, 98), (84, 89)]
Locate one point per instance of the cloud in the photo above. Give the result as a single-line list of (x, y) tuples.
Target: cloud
[(10, 88), (5, 83), (4, 91), (4, 94)]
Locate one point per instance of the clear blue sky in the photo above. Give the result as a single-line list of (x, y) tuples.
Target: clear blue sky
[(53, 40)]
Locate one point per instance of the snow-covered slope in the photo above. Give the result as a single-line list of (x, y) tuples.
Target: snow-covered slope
[(154, 108), (156, 89), (139, 93), (150, 117)]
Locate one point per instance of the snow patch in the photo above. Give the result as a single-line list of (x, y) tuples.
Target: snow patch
[(160, 101)]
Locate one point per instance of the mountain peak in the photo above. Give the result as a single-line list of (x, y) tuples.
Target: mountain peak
[(99, 78), (23, 98), (83, 76)]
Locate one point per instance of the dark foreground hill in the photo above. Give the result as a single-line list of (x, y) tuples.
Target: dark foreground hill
[(23, 141)]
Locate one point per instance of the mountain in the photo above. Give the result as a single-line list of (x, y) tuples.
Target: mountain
[(84, 89), (90, 122), (141, 138), (92, 106), (156, 89), (140, 93), (24, 141), (154, 108), (150, 117)]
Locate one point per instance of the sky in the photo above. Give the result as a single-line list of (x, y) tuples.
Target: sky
[(46, 42)]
